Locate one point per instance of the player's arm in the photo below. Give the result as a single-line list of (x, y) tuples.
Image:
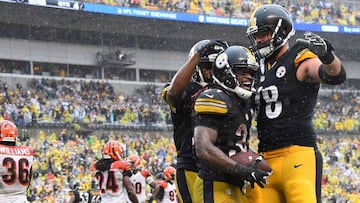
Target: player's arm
[(326, 67), (206, 151), (126, 167), (181, 79), (158, 194), (211, 108), (183, 75), (130, 189)]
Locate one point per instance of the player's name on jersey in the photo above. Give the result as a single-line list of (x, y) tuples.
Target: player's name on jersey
[(19, 151)]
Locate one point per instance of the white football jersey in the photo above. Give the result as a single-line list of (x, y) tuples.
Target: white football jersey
[(170, 195), (15, 168), (111, 183), (139, 183)]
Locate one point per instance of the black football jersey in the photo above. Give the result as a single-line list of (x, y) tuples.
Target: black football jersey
[(285, 105), (181, 115), (231, 117)]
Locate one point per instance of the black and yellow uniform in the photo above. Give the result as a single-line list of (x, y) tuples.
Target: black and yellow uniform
[(286, 136), (181, 115), (231, 118)]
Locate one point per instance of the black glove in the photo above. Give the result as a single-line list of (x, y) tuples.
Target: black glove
[(214, 46), (252, 174), (319, 46)]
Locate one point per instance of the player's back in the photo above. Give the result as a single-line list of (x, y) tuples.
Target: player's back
[(111, 183), (15, 172)]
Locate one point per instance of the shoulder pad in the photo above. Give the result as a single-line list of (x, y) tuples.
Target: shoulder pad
[(211, 101), (122, 165), (163, 184), (303, 55)]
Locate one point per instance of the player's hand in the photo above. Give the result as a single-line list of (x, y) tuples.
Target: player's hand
[(212, 47), (253, 174), (319, 46)]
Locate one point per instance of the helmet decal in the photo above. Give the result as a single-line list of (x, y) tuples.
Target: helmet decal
[(221, 60), (235, 69)]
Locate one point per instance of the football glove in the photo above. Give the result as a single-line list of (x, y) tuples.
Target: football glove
[(214, 46), (319, 46), (252, 173)]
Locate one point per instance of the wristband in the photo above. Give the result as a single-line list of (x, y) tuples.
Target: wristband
[(327, 58), (329, 79)]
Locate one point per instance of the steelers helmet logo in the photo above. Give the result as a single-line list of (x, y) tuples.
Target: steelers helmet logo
[(221, 60), (280, 72)]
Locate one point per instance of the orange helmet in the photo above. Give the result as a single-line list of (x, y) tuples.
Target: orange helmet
[(169, 173), (8, 131), (134, 160), (113, 149), (145, 172)]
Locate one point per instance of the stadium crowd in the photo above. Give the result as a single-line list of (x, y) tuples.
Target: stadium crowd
[(64, 158), (60, 164), (315, 11), (82, 103)]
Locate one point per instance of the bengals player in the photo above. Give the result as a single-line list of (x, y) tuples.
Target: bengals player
[(141, 178), (166, 190), (113, 175), (15, 167), (222, 128)]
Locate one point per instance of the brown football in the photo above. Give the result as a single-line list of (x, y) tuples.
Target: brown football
[(247, 158)]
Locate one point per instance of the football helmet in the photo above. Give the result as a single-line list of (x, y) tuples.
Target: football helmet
[(274, 19), (206, 61), (236, 60), (134, 160), (145, 172), (8, 131), (169, 173), (112, 149)]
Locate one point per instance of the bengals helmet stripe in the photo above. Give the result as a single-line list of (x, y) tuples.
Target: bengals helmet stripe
[(169, 173), (134, 160), (113, 149)]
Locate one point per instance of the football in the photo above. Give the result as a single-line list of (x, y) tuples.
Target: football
[(248, 157)]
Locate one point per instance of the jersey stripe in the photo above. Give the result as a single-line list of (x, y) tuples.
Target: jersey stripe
[(209, 105), (302, 55)]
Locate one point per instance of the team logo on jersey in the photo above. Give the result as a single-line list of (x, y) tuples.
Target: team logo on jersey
[(280, 72)]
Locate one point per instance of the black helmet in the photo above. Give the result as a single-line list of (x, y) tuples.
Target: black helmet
[(205, 61), (230, 62), (273, 18)]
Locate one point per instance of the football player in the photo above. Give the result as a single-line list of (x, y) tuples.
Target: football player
[(113, 175), (79, 195), (192, 78), (15, 167), (166, 192), (141, 178), (222, 128), (289, 81)]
